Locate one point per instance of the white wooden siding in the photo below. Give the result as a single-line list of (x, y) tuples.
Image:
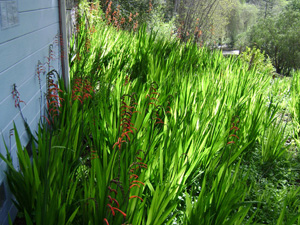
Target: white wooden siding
[(22, 47)]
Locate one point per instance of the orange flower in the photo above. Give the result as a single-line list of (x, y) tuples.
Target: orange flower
[(105, 220), (134, 196), (124, 214)]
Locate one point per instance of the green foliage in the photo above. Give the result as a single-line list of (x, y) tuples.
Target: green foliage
[(295, 103), (273, 186), (135, 6), (162, 27), (42, 186), (242, 18), (146, 121), (273, 141), (278, 37), (220, 202), (217, 20), (257, 59)]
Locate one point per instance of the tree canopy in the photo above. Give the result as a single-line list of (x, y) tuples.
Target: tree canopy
[(279, 36)]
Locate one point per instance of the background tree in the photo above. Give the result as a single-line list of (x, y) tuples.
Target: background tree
[(279, 38), (139, 10), (243, 17), (194, 18), (203, 20), (220, 20)]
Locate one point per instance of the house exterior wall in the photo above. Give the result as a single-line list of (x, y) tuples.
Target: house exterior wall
[(29, 46)]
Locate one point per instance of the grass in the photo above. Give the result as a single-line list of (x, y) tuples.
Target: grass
[(158, 132)]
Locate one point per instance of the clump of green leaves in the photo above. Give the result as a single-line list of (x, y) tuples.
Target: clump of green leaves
[(295, 103), (259, 60)]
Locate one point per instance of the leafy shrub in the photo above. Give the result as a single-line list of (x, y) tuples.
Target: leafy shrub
[(257, 58)]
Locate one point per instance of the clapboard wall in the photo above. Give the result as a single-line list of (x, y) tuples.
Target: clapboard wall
[(25, 47)]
